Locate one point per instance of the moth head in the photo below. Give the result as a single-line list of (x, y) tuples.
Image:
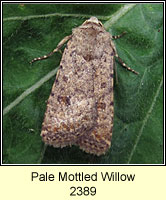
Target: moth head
[(93, 20)]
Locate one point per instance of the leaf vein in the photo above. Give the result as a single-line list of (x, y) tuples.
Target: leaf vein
[(29, 91), (145, 121)]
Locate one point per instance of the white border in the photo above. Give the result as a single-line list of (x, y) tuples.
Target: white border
[(71, 2)]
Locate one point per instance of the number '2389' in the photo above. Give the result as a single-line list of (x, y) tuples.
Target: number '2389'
[(79, 191)]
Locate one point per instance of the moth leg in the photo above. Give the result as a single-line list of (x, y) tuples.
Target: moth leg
[(118, 36), (124, 65), (120, 60), (61, 43)]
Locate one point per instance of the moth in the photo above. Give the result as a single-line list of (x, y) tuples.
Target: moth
[(80, 108)]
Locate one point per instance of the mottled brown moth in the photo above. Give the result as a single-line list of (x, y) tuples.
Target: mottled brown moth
[(80, 108)]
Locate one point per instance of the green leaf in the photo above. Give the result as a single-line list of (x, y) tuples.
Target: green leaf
[(32, 30)]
